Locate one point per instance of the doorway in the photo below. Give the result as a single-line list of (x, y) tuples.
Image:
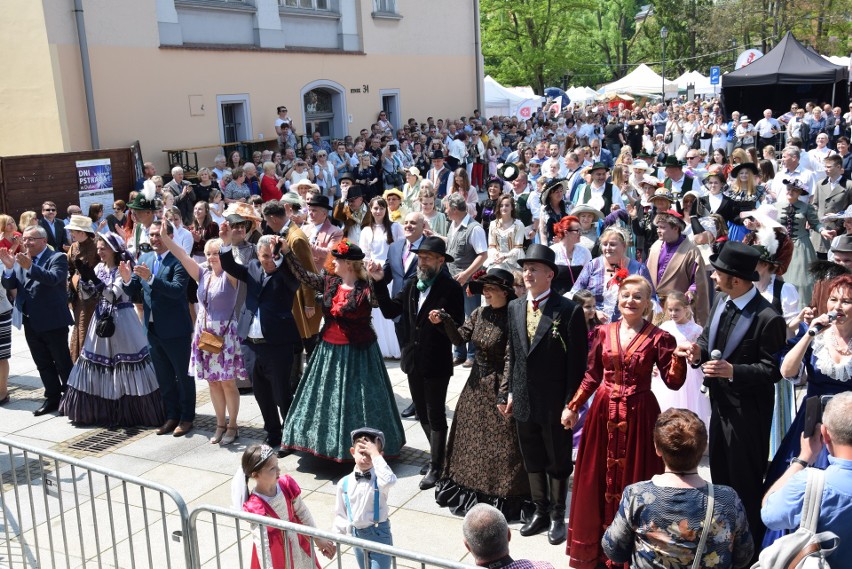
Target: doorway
[(234, 118), (390, 105)]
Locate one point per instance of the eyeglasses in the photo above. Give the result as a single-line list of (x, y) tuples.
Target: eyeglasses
[(572, 230), (28, 239)]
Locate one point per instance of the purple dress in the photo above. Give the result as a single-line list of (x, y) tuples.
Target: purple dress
[(217, 298)]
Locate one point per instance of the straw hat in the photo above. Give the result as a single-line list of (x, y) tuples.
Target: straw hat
[(80, 223)]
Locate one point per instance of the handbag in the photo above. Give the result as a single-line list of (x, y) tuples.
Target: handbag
[(803, 549), (207, 340), (708, 519), (668, 138), (105, 325)]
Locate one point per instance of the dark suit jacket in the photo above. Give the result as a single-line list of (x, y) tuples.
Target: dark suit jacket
[(164, 298), (542, 375), (751, 348), (271, 294), (59, 241), (426, 349), (42, 295), (825, 201)]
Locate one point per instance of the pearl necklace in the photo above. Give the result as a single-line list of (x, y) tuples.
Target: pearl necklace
[(842, 350)]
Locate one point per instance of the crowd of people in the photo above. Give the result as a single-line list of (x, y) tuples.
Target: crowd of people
[(620, 282)]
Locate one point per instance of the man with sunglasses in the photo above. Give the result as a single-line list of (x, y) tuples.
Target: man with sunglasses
[(57, 239)]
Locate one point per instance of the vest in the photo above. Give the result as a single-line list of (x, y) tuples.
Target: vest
[(776, 295), (607, 196), (461, 249), (685, 187)]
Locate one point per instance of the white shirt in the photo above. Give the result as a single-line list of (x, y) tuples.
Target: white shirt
[(255, 330), (764, 127), (596, 199), (818, 157), (715, 200), (362, 498), (183, 238), (457, 149), (806, 176), (789, 299), (477, 238)]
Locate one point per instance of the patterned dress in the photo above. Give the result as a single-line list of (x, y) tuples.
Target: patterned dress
[(660, 527), (484, 463), (617, 448), (217, 298)]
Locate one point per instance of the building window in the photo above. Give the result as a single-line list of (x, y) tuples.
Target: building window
[(384, 6), (305, 4), (324, 109)]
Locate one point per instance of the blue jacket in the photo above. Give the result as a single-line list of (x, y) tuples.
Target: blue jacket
[(41, 292), (164, 298)]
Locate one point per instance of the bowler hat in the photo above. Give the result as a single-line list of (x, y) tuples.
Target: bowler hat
[(434, 245), (737, 259), (346, 176), (497, 277), (538, 253), (318, 200), (347, 251), (509, 171), (751, 166), (369, 432), (437, 155)]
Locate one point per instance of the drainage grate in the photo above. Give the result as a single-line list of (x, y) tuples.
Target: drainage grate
[(105, 439)]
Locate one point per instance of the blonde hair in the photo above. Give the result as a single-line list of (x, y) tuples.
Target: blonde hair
[(212, 244), (642, 283), (5, 220), (26, 220)]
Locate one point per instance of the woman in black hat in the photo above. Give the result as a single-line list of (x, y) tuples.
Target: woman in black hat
[(800, 218), (746, 194), (486, 210), (552, 209), (483, 459), (345, 385)]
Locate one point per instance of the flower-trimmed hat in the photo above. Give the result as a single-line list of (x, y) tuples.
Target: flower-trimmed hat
[(347, 251)]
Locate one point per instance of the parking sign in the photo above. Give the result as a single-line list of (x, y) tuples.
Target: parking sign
[(714, 75)]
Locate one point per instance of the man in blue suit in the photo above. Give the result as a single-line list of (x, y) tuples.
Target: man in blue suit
[(400, 267), (39, 277), (600, 154), (267, 326), (163, 281)]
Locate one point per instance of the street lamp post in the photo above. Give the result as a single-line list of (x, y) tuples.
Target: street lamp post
[(664, 33)]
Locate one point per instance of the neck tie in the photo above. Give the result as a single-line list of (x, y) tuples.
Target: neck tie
[(726, 323), (363, 475), (157, 264), (537, 302), (406, 253)]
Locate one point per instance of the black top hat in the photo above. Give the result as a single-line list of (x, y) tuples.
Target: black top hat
[(671, 160), (497, 277), (538, 253), (737, 259), (347, 251), (437, 154), (509, 171), (599, 166), (747, 165), (843, 245), (346, 176), (434, 245), (320, 201)]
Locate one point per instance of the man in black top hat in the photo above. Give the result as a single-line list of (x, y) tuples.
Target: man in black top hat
[(426, 350), (746, 334), (440, 176), (545, 363)]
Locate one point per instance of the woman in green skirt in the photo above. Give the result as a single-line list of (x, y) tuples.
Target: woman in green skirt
[(346, 385)]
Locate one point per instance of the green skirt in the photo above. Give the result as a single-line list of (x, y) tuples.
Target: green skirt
[(344, 388)]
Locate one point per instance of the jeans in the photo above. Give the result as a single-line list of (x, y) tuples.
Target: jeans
[(379, 534), (470, 304)]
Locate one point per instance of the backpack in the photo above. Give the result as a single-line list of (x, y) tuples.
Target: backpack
[(803, 549)]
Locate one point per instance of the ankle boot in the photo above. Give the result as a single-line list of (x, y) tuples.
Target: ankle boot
[(438, 442), (426, 465), (558, 496), (539, 492)]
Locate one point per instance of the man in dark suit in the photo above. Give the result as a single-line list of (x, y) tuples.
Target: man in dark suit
[(401, 267), (747, 333), (545, 363), (832, 194), (163, 281), (56, 236), (600, 154), (427, 356), (39, 275), (267, 326)]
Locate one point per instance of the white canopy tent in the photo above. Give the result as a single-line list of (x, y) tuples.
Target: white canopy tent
[(502, 101), (641, 81), (702, 83), (581, 94), (838, 60)]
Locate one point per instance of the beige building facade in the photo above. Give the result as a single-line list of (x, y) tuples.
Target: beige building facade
[(188, 73)]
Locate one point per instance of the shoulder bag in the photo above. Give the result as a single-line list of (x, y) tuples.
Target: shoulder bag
[(207, 340)]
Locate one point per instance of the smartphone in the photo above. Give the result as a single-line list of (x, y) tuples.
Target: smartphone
[(814, 407)]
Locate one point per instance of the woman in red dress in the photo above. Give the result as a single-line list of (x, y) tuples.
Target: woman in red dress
[(617, 448)]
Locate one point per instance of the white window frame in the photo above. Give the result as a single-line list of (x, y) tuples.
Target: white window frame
[(300, 5), (243, 98)]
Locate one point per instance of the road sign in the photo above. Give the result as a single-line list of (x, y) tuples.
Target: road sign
[(714, 75)]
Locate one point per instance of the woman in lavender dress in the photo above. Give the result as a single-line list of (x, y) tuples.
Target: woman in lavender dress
[(113, 382), (217, 298)]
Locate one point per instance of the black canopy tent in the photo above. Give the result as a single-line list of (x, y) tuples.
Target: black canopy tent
[(789, 73)]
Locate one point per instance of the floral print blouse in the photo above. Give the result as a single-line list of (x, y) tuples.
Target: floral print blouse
[(659, 527)]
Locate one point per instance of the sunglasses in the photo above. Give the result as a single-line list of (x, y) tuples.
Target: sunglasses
[(47, 210)]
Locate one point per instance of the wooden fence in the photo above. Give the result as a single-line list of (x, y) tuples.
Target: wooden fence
[(28, 181)]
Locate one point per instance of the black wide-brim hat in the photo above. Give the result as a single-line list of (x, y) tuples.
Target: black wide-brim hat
[(737, 259), (748, 166), (347, 251), (497, 277), (346, 176), (509, 171), (320, 201), (538, 253), (434, 245), (672, 161)]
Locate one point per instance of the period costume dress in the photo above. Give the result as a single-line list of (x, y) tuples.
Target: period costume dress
[(83, 307), (508, 243), (217, 298), (617, 448), (374, 243), (345, 385), (484, 463), (113, 382), (797, 218), (689, 396)]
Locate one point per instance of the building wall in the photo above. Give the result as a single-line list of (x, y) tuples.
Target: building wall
[(143, 89)]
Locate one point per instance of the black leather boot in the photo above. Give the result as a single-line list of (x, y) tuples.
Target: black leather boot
[(409, 412), (438, 442), (426, 465), (558, 496), (540, 497)]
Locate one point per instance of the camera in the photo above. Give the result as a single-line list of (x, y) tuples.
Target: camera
[(393, 147)]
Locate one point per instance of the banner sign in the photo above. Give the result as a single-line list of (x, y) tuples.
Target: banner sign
[(95, 181)]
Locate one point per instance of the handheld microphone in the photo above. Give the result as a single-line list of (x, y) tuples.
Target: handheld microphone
[(817, 328), (717, 355)]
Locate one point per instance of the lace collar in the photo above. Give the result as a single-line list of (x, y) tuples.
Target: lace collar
[(824, 363)]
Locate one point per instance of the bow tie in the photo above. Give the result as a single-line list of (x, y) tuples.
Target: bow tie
[(536, 303), (363, 475)]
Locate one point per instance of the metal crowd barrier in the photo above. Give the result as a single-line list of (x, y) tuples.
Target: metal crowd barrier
[(233, 543), (57, 511)]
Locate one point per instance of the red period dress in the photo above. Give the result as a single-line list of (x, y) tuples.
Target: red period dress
[(617, 448)]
